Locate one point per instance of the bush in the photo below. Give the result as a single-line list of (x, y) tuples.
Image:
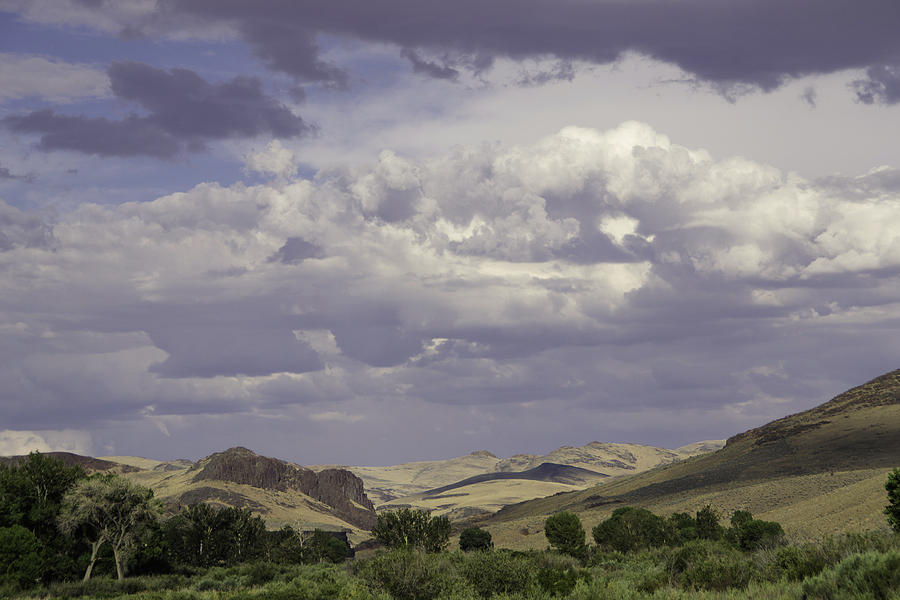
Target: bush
[(475, 538), (752, 534), (499, 572), (892, 510), (796, 563), (565, 533), (412, 529), (408, 574), (709, 565), (869, 575), (631, 528)]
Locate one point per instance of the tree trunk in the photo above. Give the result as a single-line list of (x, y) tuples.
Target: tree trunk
[(95, 547), (120, 572)]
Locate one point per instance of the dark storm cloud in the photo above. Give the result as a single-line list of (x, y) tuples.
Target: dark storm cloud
[(184, 112), (427, 67), (755, 42), (882, 85)]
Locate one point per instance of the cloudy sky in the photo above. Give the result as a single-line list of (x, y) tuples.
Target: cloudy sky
[(368, 232)]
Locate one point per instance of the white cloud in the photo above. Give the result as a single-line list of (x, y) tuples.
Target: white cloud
[(275, 160), (566, 271), (18, 442), (336, 416), (29, 76)]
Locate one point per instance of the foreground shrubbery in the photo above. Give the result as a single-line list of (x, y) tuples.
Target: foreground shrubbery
[(853, 566)]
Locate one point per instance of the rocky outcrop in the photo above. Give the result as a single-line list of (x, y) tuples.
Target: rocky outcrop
[(338, 488)]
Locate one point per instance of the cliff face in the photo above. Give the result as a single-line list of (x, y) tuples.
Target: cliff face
[(338, 488)]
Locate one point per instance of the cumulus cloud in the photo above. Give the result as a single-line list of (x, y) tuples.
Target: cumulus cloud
[(185, 112), (567, 272), (21, 229), (17, 443)]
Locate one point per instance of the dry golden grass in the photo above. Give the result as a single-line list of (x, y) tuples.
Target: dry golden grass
[(818, 472)]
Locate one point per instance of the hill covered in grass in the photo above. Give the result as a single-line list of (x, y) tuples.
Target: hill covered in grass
[(818, 471)]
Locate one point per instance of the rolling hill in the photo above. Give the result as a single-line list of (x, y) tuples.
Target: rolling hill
[(817, 472), (408, 483)]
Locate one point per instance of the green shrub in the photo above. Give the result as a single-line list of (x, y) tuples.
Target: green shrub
[(475, 538), (709, 565), (565, 533), (412, 529), (869, 575), (561, 582), (630, 529), (408, 574), (752, 534), (499, 572), (795, 563)]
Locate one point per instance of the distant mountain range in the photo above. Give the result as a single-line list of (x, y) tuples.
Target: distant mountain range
[(816, 472), (483, 483)]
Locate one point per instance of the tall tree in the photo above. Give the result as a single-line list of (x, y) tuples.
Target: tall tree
[(892, 510), (108, 509)]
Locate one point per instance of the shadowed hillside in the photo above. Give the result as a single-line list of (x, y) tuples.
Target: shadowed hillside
[(816, 469)]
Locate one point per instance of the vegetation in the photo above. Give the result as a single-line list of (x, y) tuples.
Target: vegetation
[(206, 552), (565, 533), (407, 528), (107, 509), (475, 538), (892, 510)]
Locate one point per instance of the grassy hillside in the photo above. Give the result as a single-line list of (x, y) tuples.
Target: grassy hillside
[(819, 471), (416, 483)]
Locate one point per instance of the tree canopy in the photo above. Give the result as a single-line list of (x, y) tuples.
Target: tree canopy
[(108, 509)]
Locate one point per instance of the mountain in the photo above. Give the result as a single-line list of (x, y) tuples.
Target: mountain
[(279, 491), (481, 482), (818, 471)]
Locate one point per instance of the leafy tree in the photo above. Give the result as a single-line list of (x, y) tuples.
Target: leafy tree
[(30, 497), (437, 534), (565, 533), (20, 556), (751, 534), (631, 528), (475, 538), (412, 529), (321, 546), (684, 526), (892, 510), (204, 536), (708, 527), (108, 509)]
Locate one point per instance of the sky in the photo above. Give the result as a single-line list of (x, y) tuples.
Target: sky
[(371, 232)]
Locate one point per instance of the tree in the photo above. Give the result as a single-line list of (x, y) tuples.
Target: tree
[(475, 538), (565, 533), (892, 510), (631, 528), (412, 529), (30, 497), (204, 536), (708, 527), (108, 509), (751, 534), (320, 546)]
